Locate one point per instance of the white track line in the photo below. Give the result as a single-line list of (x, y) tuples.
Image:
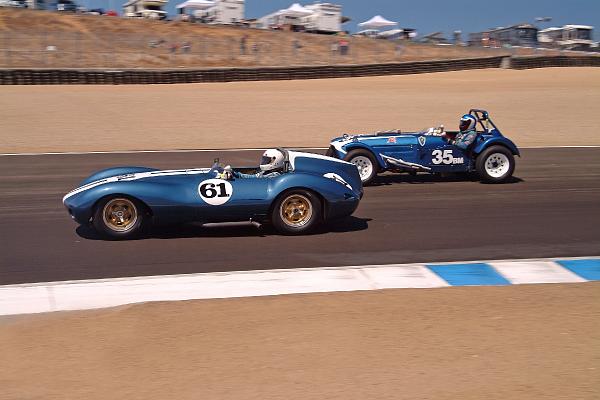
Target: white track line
[(229, 150), (68, 153)]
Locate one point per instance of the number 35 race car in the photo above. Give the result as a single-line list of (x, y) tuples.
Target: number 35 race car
[(491, 155), (119, 202)]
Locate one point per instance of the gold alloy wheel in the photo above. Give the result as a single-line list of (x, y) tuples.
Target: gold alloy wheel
[(296, 210), (119, 214)]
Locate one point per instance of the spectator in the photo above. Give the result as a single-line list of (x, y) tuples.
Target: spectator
[(334, 48), (399, 49), (243, 41), (186, 47), (296, 46), (344, 44)]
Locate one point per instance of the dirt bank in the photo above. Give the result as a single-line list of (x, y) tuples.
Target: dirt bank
[(519, 342), (535, 107)]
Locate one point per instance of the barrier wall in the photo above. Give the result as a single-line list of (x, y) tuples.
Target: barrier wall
[(556, 61), (122, 77)]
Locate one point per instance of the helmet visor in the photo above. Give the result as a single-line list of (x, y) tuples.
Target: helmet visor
[(266, 160), (464, 124)]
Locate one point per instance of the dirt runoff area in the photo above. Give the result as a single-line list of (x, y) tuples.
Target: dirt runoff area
[(544, 107), (515, 342)]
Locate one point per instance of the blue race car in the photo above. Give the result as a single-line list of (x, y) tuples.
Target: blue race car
[(311, 188), (491, 155)]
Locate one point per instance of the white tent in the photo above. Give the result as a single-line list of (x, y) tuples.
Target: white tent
[(377, 22), (197, 4), (295, 10)]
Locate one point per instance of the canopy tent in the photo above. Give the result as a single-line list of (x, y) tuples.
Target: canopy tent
[(196, 4), (295, 10), (377, 22)]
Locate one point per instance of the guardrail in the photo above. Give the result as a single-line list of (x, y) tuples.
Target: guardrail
[(82, 76), (135, 76), (526, 62)]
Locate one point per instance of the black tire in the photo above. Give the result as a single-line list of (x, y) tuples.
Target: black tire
[(359, 157), (109, 223), (495, 164), (289, 215)]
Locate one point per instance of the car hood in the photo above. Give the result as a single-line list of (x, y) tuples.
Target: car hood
[(383, 136)]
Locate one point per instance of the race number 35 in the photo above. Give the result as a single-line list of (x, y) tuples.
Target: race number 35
[(439, 157), (446, 157), (215, 191)]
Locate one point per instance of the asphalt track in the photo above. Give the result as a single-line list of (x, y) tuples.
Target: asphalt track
[(551, 209)]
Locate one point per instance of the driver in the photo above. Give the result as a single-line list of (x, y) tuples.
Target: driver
[(271, 165), (467, 134)]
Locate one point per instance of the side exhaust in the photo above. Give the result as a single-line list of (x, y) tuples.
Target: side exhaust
[(399, 163)]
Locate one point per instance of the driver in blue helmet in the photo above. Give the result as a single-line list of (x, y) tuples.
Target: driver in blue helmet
[(467, 132)]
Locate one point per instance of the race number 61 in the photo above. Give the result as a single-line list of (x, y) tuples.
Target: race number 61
[(215, 191)]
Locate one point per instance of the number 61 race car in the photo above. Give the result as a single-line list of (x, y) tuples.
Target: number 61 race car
[(491, 154), (118, 202)]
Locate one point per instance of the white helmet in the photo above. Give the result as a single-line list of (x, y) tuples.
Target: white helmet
[(272, 159)]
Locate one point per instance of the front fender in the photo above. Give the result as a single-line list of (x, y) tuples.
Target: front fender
[(159, 198), (361, 146), (110, 172), (502, 141)]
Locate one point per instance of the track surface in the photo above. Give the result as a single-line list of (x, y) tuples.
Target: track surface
[(551, 210)]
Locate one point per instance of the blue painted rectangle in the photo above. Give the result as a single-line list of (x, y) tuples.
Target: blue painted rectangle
[(587, 269), (477, 274)]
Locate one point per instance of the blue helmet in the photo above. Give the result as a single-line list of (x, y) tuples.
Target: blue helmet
[(467, 123)]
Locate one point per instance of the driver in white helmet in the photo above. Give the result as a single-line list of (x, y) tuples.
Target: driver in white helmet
[(271, 165)]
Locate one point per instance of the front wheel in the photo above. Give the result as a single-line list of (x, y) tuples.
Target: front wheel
[(366, 164), (296, 212), (119, 217), (495, 164)]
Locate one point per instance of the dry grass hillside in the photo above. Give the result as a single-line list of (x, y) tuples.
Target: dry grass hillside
[(44, 39)]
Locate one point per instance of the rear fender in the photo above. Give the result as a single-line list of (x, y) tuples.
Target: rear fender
[(497, 141)]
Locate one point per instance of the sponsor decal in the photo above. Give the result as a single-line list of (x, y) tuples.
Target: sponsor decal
[(215, 192), (422, 140), (445, 157), (392, 139)]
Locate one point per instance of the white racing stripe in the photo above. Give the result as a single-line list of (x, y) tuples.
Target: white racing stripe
[(135, 177), (100, 293), (230, 150)]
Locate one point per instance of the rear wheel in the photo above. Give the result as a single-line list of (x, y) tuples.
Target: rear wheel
[(296, 212), (495, 164), (366, 164), (119, 217)]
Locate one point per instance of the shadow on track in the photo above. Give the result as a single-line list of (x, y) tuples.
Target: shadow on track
[(391, 179), (348, 224)]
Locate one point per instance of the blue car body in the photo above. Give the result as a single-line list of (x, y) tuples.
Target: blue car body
[(200, 195), (423, 151)]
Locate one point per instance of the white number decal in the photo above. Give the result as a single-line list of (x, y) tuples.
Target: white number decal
[(448, 157), (215, 191), (445, 157), (437, 157)]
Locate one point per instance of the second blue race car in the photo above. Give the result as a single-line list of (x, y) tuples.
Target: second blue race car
[(490, 154), (307, 190)]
